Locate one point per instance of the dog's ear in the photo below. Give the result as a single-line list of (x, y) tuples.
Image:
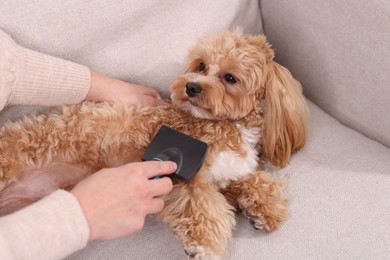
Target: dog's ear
[(285, 115)]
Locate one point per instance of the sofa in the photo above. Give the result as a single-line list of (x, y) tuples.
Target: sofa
[(339, 184)]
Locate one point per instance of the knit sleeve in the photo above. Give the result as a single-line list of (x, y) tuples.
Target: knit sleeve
[(30, 77), (51, 228)]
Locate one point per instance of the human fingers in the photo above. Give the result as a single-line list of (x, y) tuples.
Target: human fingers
[(159, 187), (153, 101), (152, 92), (155, 205), (140, 89), (152, 169)]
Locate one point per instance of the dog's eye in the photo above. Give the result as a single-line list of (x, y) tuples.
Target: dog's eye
[(201, 67), (229, 78)]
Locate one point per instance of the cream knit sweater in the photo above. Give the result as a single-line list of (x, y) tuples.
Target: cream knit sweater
[(55, 226), (29, 77)]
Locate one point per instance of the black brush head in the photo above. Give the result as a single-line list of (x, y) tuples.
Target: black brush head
[(171, 145)]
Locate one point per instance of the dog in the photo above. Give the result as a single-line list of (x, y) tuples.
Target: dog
[(233, 95)]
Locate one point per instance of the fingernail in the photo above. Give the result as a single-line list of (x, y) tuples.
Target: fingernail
[(174, 166)]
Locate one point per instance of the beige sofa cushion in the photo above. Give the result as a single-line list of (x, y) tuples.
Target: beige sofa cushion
[(340, 51)]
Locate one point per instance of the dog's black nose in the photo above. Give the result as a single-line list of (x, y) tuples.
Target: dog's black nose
[(193, 89)]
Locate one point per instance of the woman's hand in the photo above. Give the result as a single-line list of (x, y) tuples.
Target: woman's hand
[(108, 89), (116, 201)]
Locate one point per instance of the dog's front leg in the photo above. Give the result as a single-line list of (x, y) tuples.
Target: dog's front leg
[(261, 198), (201, 219)]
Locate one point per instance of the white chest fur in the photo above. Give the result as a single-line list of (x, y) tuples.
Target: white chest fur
[(229, 165)]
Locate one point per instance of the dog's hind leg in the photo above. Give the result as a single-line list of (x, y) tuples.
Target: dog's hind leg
[(260, 196), (201, 219)]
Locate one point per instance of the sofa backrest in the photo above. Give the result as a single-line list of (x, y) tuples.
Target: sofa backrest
[(340, 52)]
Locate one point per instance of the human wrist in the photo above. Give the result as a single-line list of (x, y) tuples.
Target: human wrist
[(97, 90)]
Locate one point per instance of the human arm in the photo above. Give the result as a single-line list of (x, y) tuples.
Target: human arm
[(33, 78), (109, 204), (30, 77), (48, 229)]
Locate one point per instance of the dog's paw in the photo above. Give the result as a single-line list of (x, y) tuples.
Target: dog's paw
[(269, 221), (258, 221), (200, 253), (262, 200)]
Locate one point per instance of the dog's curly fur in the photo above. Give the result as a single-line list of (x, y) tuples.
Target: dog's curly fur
[(247, 107)]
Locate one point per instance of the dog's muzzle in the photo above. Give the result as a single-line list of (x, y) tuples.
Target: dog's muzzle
[(193, 89)]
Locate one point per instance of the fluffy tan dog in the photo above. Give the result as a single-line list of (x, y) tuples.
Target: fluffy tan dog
[(233, 96)]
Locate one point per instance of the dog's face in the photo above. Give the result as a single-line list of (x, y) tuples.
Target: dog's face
[(224, 76), (230, 75)]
